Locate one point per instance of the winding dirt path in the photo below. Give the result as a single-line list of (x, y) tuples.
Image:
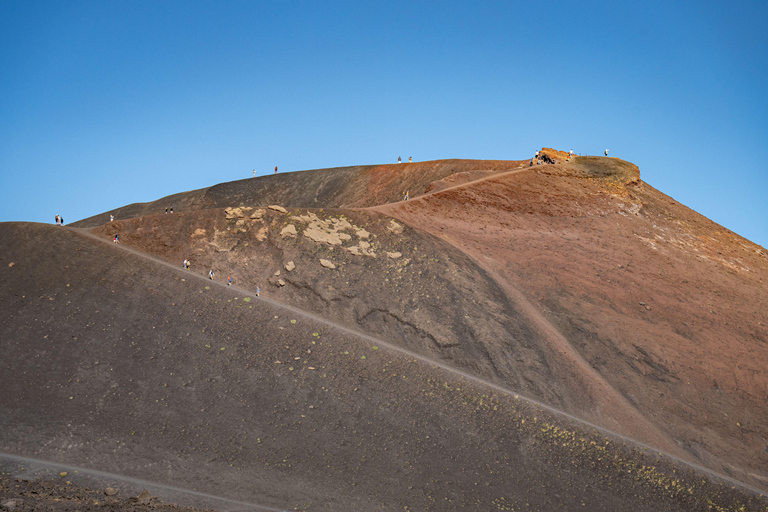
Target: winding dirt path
[(604, 403)]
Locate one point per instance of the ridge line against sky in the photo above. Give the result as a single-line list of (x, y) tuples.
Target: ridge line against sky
[(104, 104)]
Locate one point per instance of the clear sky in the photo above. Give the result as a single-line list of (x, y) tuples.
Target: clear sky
[(107, 103)]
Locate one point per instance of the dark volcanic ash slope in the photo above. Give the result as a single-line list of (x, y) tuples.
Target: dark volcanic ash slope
[(648, 297), (116, 362), (357, 186), (386, 279)]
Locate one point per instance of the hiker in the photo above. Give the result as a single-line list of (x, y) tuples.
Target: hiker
[(606, 152), (166, 210), (61, 219), (275, 169), (531, 164), (111, 218), (57, 220), (116, 240), (257, 291), (407, 195), (399, 160), (410, 159), (184, 265), (210, 274), (229, 280), (171, 209), (254, 173)]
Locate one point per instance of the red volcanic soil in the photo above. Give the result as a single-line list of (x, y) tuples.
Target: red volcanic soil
[(645, 298), (339, 187), (392, 355)]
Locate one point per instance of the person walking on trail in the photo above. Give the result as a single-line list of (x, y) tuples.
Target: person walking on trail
[(111, 218), (410, 159), (61, 219), (399, 160), (229, 280), (407, 195), (257, 291), (184, 265), (116, 240), (275, 169), (166, 210), (57, 220), (210, 274), (606, 152)]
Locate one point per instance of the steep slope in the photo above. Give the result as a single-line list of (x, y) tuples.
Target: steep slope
[(118, 362), (645, 295), (357, 186), (575, 284)]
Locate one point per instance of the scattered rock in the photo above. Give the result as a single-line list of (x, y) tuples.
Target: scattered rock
[(395, 227), (262, 234), (8, 504), (394, 255), (316, 235), (280, 282), (236, 213), (327, 264), (289, 266), (199, 232), (278, 272), (289, 230), (277, 208), (258, 214), (361, 233), (110, 491), (11, 264), (144, 497)]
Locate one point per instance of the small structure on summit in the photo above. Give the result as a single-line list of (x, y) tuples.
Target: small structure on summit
[(553, 156)]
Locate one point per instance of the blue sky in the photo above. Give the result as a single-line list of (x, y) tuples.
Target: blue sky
[(107, 103)]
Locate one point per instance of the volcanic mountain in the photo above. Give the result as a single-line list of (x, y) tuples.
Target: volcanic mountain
[(514, 336)]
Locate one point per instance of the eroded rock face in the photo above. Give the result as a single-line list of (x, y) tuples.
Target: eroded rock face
[(277, 208)]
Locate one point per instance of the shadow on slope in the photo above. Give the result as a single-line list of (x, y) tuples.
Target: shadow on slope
[(118, 363)]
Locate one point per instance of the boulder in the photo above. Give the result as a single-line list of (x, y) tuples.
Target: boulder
[(327, 264), (319, 236), (395, 227), (289, 230), (289, 266), (277, 208)]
